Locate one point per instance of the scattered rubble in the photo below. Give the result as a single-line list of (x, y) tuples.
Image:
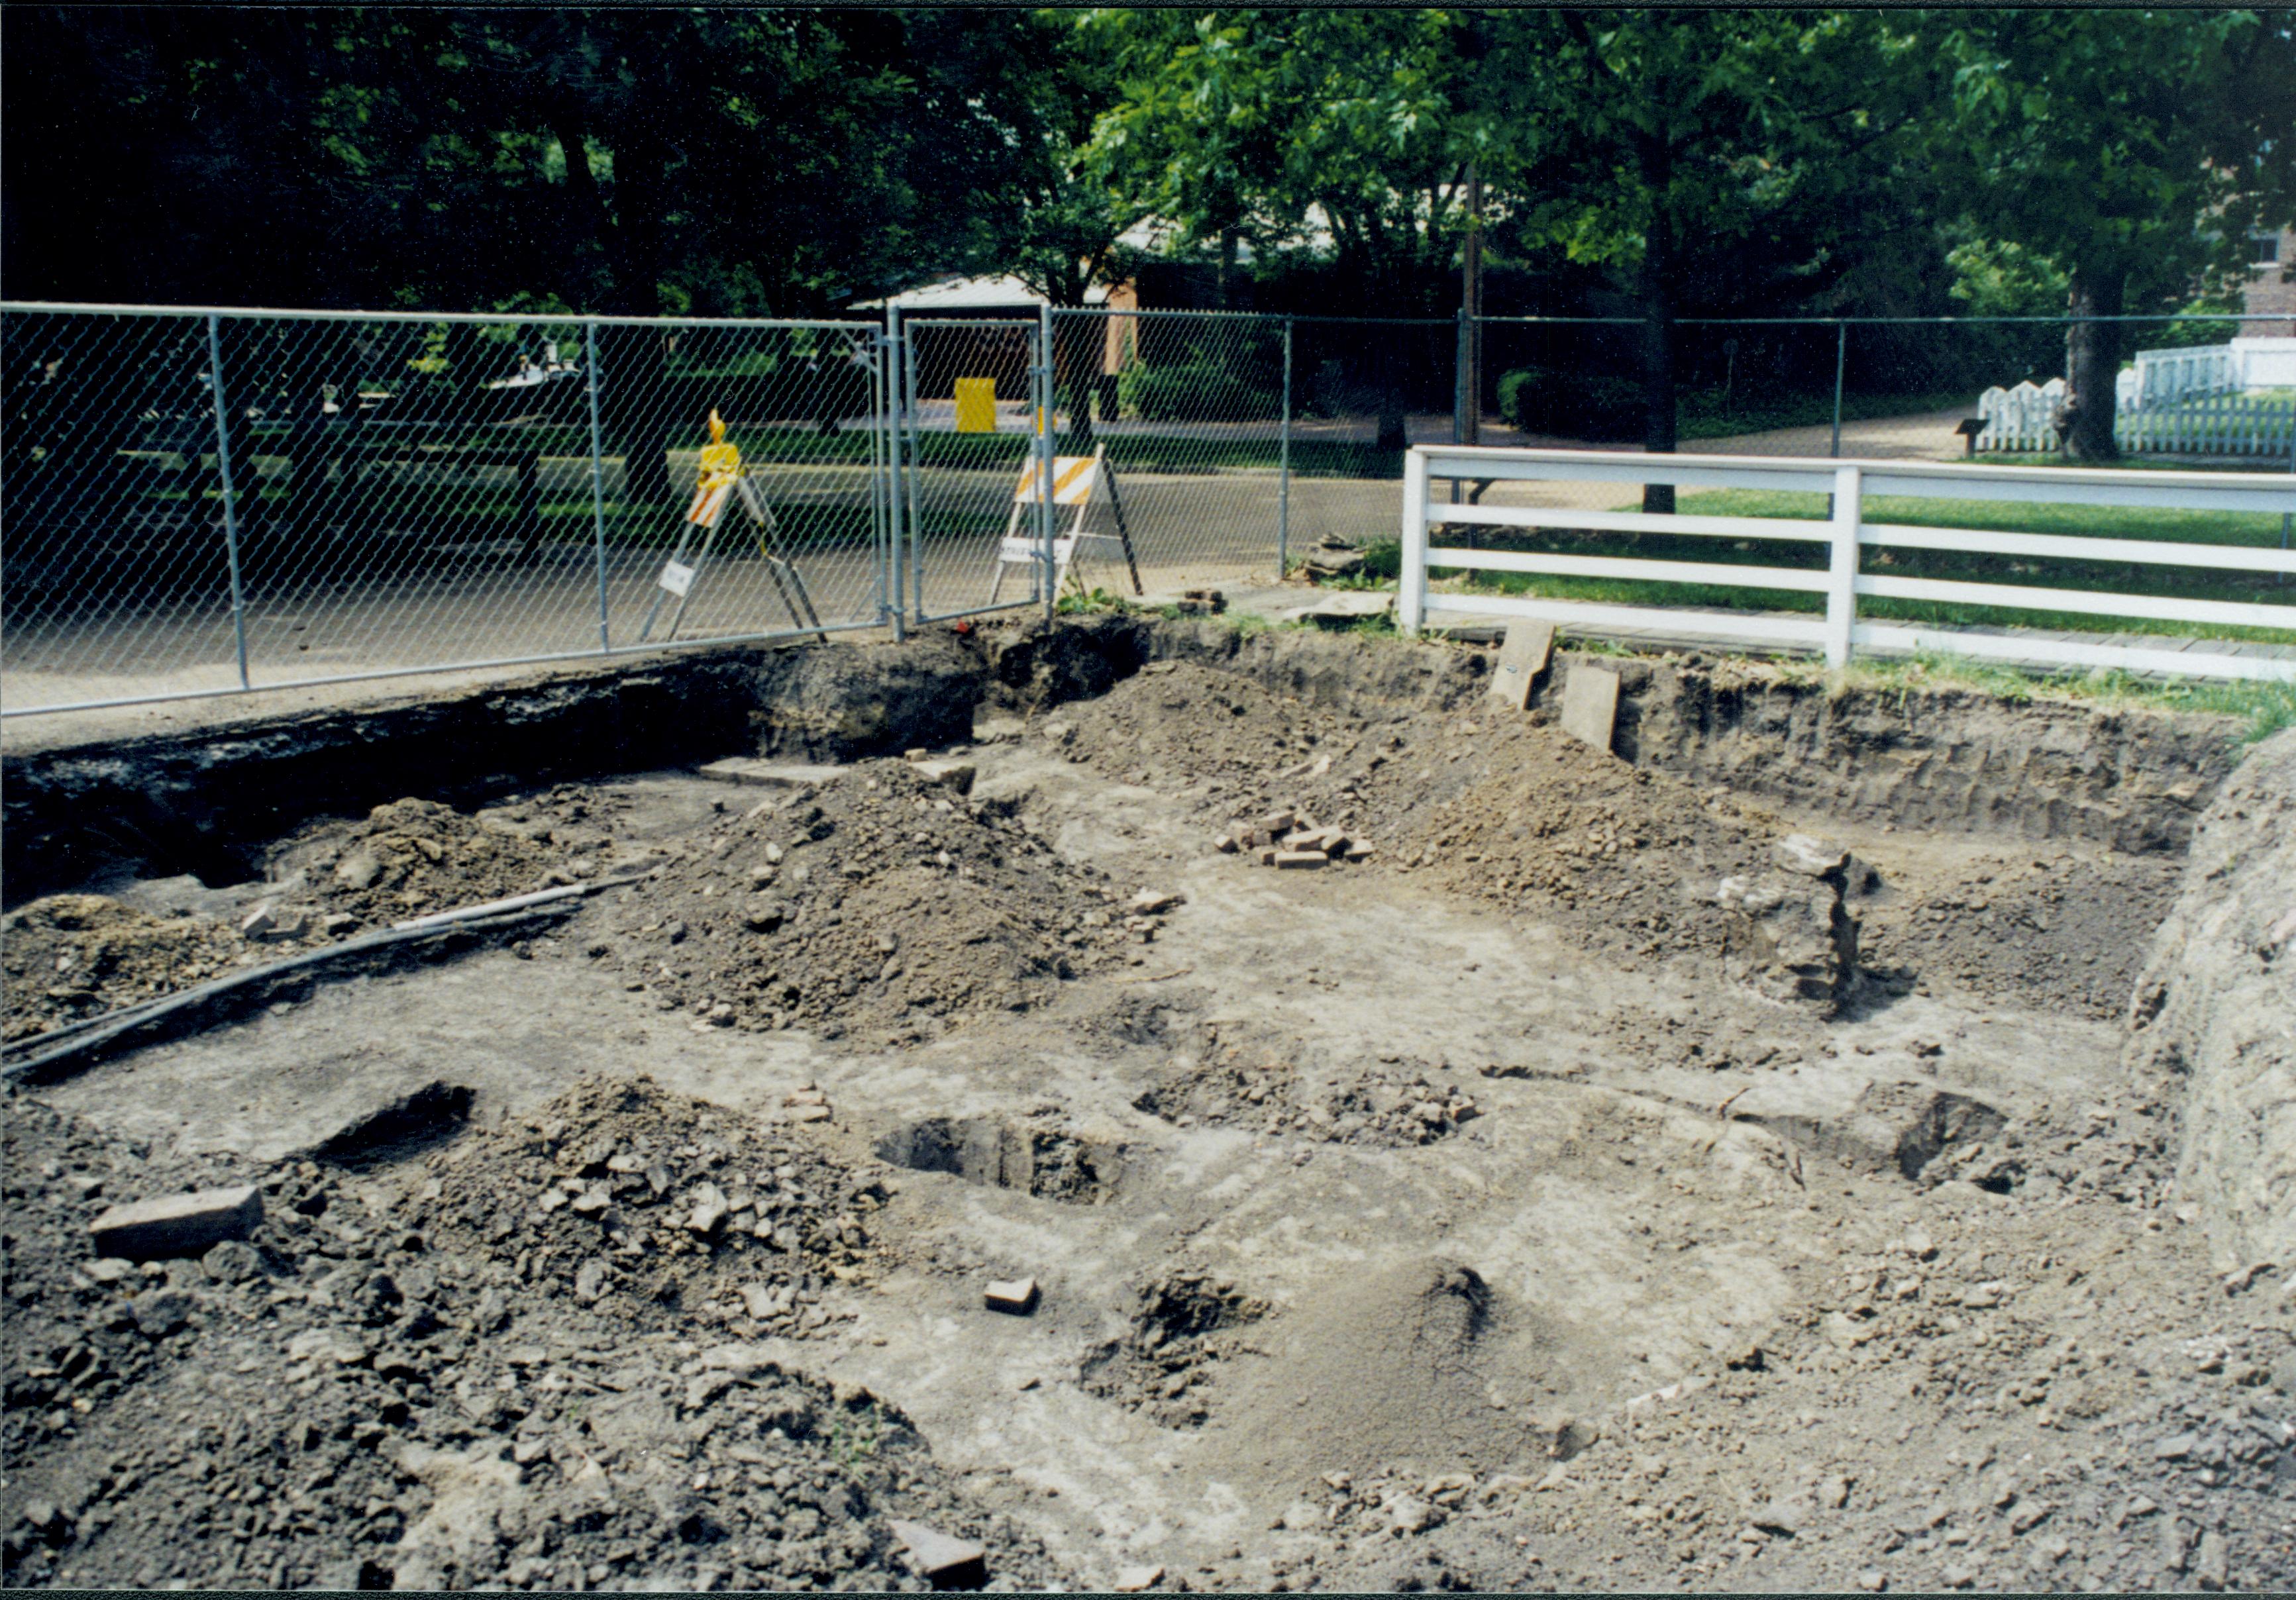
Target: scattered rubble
[(411, 1383), (1186, 1323)]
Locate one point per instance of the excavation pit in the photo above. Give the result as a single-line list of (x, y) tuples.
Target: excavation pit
[(1514, 1205)]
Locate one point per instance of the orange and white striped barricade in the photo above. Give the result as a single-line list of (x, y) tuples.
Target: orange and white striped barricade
[(1075, 480)]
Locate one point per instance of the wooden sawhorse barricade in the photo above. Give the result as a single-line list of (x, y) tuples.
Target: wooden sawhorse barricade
[(1075, 477)]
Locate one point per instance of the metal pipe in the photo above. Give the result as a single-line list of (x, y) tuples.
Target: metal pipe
[(230, 498), (597, 482), (1284, 469)]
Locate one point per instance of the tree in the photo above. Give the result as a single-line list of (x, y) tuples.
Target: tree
[(1339, 132), (2132, 150), (1699, 154)]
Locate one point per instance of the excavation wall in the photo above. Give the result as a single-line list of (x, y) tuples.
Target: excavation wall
[(2217, 1005)]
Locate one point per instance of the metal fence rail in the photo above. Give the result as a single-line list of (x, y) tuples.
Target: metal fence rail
[(1845, 536), (214, 500)]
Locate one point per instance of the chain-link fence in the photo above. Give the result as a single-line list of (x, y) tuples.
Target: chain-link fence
[(215, 502), (201, 502)]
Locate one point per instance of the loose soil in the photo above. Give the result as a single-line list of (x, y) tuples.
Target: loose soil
[(1456, 1218), (74, 956)]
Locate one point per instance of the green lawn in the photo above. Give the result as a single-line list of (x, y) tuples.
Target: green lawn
[(2193, 528)]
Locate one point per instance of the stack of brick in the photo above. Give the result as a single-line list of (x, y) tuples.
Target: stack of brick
[(1286, 838)]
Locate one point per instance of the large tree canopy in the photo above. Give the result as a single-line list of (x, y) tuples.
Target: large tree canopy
[(768, 161), (2132, 150)]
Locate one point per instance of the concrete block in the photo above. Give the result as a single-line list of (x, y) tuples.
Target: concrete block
[(957, 775), (1527, 649), (1015, 1296), (1131, 1580), (1278, 822), (945, 1561), (177, 1224), (1808, 856), (1590, 705), (1266, 855), (1151, 902), (1301, 858), (756, 772)]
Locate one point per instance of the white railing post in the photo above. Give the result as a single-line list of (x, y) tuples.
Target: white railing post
[(1841, 593), (1411, 584)]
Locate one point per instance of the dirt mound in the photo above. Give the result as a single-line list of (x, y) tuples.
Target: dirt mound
[(883, 900), (413, 857), (1184, 1327), (1246, 1078), (71, 956), (1378, 1368), (407, 1383)]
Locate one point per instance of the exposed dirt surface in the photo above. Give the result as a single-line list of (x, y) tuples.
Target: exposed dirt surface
[(884, 900), (428, 1381), (1549, 1201), (72, 956)]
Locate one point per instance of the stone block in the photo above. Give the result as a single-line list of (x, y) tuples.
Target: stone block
[(1590, 705), (755, 772), (1521, 659), (177, 1224), (942, 1559), (1791, 938), (1015, 1296), (1301, 858)]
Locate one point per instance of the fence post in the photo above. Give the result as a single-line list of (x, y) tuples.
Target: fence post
[(894, 575), (597, 483), (1045, 518), (1284, 469), (1841, 360), (1841, 591), (1411, 598), (230, 496)]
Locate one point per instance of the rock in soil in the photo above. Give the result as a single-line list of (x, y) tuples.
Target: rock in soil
[(395, 1382)]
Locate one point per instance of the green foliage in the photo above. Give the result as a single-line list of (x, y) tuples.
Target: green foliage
[(1193, 392), (1088, 602)]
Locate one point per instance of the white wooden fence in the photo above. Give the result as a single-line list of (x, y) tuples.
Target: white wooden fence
[(2164, 377), (2250, 427), (1838, 632)]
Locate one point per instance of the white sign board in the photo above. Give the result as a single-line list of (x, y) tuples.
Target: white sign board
[(677, 579)]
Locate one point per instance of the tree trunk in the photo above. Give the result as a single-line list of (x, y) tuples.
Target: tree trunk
[(2092, 367), (1659, 427)]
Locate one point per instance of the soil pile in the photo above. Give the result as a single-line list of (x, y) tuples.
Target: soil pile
[(660, 1209), (413, 857), (1248, 1078), (885, 899), (71, 956), (1379, 1369), (402, 1381)]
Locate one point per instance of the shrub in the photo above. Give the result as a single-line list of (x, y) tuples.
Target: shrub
[(1193, 392), (1574, 405)]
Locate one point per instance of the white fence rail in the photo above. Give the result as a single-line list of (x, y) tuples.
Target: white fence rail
[(1839, 631)]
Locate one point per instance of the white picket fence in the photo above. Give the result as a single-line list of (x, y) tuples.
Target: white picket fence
[(2023, 420), (2254, 427), (2164, 377), (1840, 632)]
